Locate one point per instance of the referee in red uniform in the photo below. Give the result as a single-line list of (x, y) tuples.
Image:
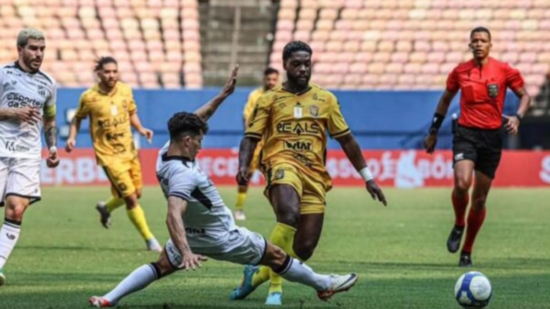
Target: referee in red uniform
[(477, 143)]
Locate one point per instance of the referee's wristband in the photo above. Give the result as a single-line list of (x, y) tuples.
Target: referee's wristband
[(53, 149), (518, 117), (366, 174)]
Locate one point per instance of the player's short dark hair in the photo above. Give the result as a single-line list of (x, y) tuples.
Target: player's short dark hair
[(480, 29), (184, 123), (103, 61), (295, 46), (270, 71)]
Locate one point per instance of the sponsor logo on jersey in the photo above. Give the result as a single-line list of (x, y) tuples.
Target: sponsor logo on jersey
[(13, 147), (459, 156), (20, 101), (193, 230), (108, 123), (298, 127), (298, 145), (114, 136)]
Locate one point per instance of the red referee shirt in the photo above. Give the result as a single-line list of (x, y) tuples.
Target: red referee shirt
[(483, 91)]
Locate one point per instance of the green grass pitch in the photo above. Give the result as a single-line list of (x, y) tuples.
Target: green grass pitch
[(64, 255)]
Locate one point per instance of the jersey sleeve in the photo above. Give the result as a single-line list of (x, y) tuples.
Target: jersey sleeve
[(514, 80), (259, 118), (337, 125), (181, 184), (82, 110), (452, 81), (132, 107)]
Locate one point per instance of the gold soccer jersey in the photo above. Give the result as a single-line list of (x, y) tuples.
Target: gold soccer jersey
[(294, 128), (110, 122)]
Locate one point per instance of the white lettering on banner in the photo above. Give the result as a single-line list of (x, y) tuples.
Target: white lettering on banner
[(406, 170), (219, 166), (74, 171), (545, 170)]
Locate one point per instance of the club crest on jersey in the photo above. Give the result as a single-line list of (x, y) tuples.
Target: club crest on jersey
[(492, 89), (314, 110), (41, 91)]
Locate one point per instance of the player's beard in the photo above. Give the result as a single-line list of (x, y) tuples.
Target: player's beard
[(300, 81), (32, 64)]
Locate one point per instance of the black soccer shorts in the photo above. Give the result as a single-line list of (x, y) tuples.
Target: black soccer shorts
[(482, 146)]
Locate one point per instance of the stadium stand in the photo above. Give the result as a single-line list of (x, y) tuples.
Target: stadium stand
[(156, 42), (391, 44)]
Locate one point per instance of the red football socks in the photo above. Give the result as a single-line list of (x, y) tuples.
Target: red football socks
[(460, 205), (475, 221)]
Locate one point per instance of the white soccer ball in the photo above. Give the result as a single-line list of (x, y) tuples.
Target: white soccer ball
[(473, 290)]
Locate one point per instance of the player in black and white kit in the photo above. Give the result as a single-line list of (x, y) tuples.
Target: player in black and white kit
[(200, 224), (27, 105)]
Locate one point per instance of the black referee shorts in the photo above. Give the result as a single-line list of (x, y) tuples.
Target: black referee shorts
[(482, 146)]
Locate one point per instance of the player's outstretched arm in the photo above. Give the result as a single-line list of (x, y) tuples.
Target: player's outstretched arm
[(513, 122), (246, 152), (442, 107), (176, 209), (207, 110), (353, 152)]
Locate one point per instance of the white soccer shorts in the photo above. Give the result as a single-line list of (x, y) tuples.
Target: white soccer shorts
[(243, 247), (20, 177)]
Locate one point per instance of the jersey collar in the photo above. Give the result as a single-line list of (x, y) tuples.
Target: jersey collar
[(298, 93), (20, 68), (184, 160), (115, 89)]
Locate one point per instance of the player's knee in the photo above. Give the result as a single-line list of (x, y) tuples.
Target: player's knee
[(462, 185), (15, 210), (304, 250), (131, 201), (479, 202)]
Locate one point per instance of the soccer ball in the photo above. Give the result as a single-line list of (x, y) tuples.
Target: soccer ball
[(473, 290)]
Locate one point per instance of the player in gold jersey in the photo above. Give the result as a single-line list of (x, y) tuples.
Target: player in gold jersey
[(271, 79), (112, 110), (293, 120)]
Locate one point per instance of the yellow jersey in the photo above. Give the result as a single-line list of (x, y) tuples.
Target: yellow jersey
[(109, 122), (294, 128)]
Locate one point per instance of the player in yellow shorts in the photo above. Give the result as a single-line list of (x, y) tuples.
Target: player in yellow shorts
[(293, 120), (271, 78), (112, 110)]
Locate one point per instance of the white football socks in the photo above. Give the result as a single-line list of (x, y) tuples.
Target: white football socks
[(296, 271), (137, 280), (9, 234)]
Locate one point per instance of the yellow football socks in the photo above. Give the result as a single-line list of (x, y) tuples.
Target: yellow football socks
[(137, 216), (283, 237), (241, 197), (113, 203)]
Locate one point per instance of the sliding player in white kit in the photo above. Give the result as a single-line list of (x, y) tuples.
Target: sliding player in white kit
[(27, 103), (200, 224)]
